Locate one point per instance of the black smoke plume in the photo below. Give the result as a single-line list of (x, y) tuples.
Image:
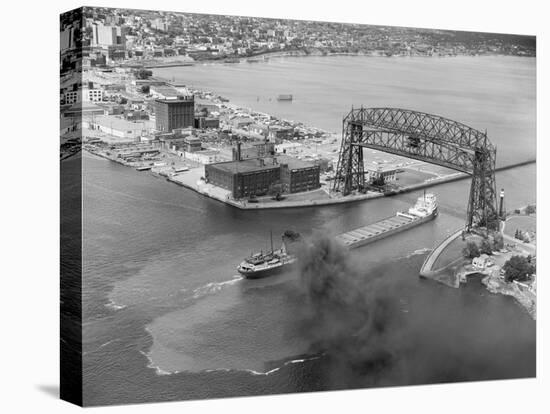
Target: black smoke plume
[(353, 316)]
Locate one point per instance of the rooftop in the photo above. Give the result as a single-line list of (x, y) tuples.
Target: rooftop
[(120, 124), (179, 98), (254, 164), (380, 167)]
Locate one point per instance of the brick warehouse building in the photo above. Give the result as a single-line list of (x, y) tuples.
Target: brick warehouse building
[(255, 176), (174, 112)]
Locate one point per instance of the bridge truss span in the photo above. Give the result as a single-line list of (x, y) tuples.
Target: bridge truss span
[(425, 137)]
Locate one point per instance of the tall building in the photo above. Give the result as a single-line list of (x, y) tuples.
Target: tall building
[(67, 38), (174, 112), (103, 35)]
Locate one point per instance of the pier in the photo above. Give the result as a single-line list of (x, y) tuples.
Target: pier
[(427, 269)]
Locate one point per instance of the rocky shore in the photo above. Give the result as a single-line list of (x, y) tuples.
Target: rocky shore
[(524, 296)]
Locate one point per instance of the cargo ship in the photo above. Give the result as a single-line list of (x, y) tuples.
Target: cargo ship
[(259, 265), (424, 210)]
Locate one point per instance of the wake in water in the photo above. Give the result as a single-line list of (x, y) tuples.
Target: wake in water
[(291, 362), (417, 252), (114, 306), (102, 346), (160, 371), (152, 365), (214, 287)]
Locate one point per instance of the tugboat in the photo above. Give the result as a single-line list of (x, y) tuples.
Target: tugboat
[(259, 265)]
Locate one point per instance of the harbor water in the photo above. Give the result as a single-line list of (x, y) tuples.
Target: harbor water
[(166, 315)]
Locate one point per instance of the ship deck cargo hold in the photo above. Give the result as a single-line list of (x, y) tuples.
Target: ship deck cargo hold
[(425, 210)]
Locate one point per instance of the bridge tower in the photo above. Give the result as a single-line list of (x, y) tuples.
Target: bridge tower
[(482, 203), (351, 166), (424, 137)]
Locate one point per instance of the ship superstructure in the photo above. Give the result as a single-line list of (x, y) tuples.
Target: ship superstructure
[(262, 264)]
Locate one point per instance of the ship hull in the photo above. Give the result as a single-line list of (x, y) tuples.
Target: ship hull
[(261, 273), (391, 232)]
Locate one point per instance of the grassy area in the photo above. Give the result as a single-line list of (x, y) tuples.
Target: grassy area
[(453, 251), (524, 223)]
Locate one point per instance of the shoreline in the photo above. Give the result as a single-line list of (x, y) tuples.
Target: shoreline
[(527, 300), (265, 56), (186, 180), (457, 271), (326, 199)]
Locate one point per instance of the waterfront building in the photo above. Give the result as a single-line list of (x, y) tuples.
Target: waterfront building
[(257, 150), (174, 112), (374, 172), (192, 144), (280, 133), (206, 122), (170, 142), (240, 122), (255, 176), (297, 175), (206, 157), (118, 127)]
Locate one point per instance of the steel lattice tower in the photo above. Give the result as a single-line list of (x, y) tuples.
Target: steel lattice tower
[(424, 137)]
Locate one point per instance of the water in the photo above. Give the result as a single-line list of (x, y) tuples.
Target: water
[(167, 317), (493, 93)]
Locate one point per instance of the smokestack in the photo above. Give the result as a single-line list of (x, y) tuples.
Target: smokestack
[(501, 207)]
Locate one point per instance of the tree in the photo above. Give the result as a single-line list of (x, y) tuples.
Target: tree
[(379, 181), (530, 209), (471, 250), (498, 241), (486, 247), (518, 268), (144, 74), (276, 189)]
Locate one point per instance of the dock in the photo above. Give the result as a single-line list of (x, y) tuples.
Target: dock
[(367, 234)]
